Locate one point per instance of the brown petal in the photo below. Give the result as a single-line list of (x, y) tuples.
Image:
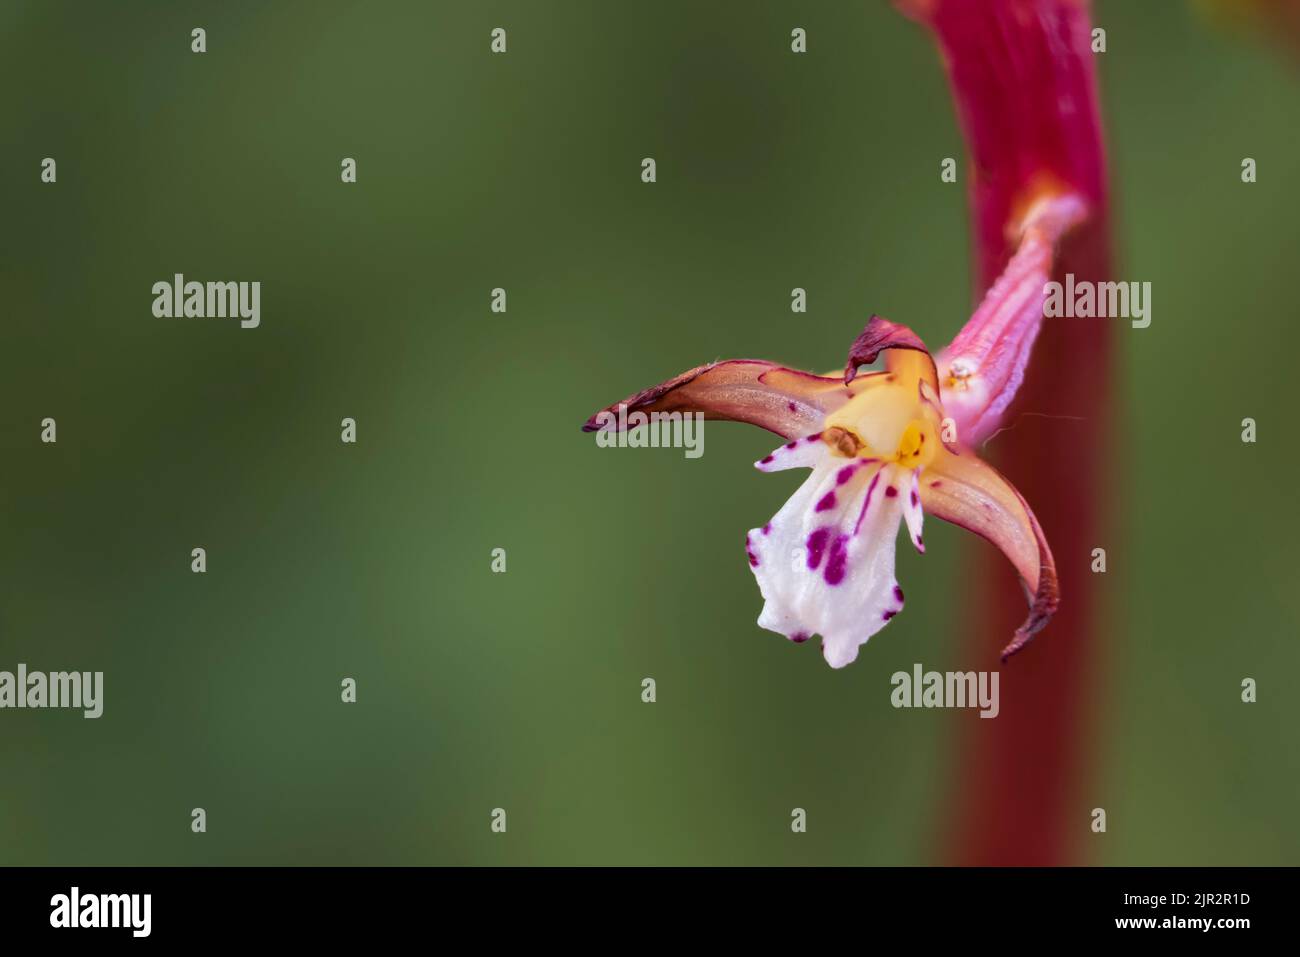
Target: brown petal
[(969, 492), (785, 401), (907, 354)]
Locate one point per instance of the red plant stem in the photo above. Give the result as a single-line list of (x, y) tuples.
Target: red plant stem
[(1022, 75)]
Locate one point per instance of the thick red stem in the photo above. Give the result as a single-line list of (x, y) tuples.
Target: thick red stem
[(1022, 74)]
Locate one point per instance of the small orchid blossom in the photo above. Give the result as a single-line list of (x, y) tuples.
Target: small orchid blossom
[(885, 448)]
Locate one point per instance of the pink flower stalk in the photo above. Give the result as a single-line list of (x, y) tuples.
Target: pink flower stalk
[(1023, 78)]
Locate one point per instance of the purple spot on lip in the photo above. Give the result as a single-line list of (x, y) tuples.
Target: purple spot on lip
[(837, 560), (766, 460), (844, 474), (753, 559), (814, 438), (890, 492), (767, 529), (888, 615), (790, 406), (817, 545), (915, 500), (898, 593), (790, 445), (827, 502), (800, 637)]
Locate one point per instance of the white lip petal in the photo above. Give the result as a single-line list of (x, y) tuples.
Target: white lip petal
[(808, 452), (825, 563)]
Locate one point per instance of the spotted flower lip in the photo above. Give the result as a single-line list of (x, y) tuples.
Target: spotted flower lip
[(881, 456)]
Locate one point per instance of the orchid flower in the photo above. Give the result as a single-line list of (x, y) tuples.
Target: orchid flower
[(884, 448)]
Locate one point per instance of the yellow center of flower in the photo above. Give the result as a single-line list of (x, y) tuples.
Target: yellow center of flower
[(916, 449), (887, 420), (916, 446)]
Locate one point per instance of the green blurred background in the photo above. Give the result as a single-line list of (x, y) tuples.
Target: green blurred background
[(522, 690)]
